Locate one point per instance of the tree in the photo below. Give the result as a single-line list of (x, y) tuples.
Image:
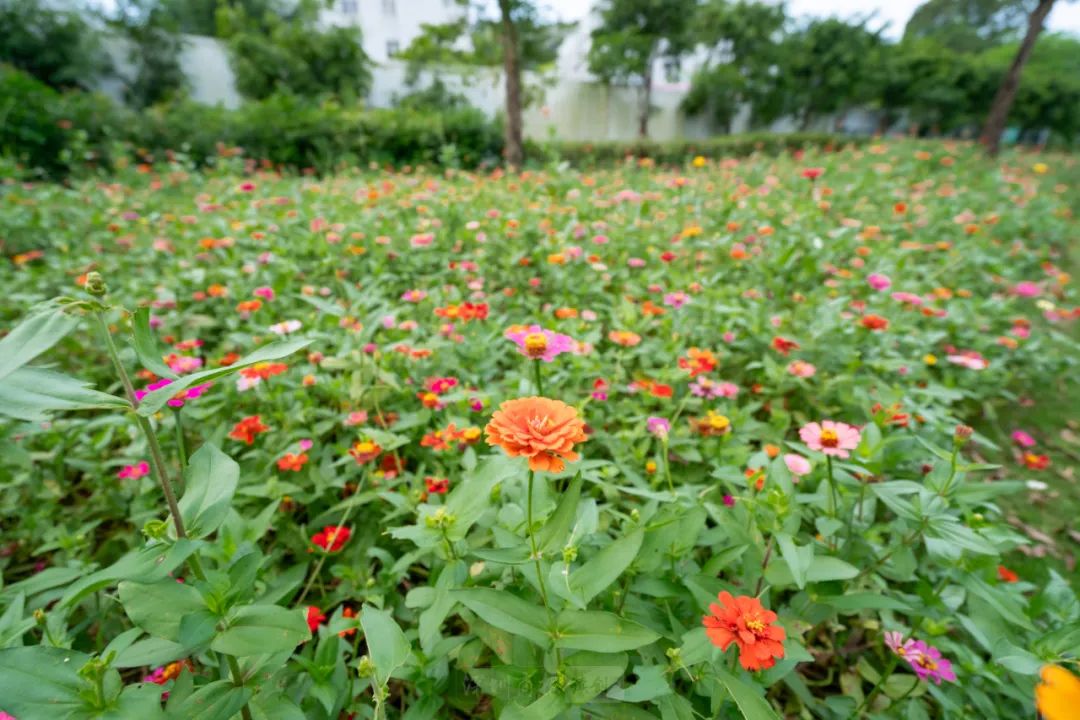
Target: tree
[(59, 48), (632, 36), (294, 56), (519, 38), (741, 41), (154, 46), (825, 67), (1006, 93), (967, 25)]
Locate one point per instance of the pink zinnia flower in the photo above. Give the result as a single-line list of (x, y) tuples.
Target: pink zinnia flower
[(413, 296), (801, 369), (676, 299), (928, 663), (132, 472), (178, 400), (1026, 289), (1022, 439), (878, 281), (540, 344), (797, 465), (831, 438), (970, 360), (906, 297), (423, 240), (635, 262), (356, 417), (266, 293), (658, 426)]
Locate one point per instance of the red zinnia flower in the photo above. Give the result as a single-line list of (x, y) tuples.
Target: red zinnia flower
[(743, 621), (246, 430), (315, 618), (436, 485), (1007, 575), (783, 345), (698, 361), (874, 322), (331, 538)]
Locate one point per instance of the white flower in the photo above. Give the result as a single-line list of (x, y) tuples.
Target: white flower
[(1036, 485), (284, 328), (246, 383)]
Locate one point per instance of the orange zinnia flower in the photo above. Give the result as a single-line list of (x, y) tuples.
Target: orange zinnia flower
[(624, 338), (698, 361), (743, 621), (246, 430), (543, 430), (1058, 695)]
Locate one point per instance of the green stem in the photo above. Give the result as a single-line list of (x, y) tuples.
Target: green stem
[(536, 560), (181, 444), (238, 681), (667, 465), (157, 460), (538, 378), (952, 471), (833, 495)]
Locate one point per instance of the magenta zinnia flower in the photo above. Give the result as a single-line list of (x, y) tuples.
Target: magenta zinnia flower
[(133, 472), (658, 426), (831, 438), (178, 400), (539, 344), (928, 663)]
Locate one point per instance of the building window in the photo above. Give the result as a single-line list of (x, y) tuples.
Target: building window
[(392, 48), (389, 7), (348, 7)]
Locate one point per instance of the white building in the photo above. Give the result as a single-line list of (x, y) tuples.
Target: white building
[(390, 25)]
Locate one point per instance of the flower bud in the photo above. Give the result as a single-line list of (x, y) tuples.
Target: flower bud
[(95, 284), (962, 434)]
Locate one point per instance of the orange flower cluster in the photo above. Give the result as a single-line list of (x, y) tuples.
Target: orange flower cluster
[(657, 390), (624, 338), (463, 312), (538, 428), (443, 440), (263, 370), (698, 361), (246, 430), (743, 621)]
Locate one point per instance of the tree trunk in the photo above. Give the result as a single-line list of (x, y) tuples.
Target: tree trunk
[(1006, 93), (514, 150), (646, 100)]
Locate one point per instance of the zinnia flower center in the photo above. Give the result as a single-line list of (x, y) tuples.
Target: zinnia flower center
[(535, 344), (539, 423), (755, 626), (829, 438), (365, 447), (718, 422), (927, 663)]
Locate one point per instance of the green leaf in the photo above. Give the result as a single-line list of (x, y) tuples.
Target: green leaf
[(750, 699), (209, 485), (260, 630), (146, 346), (507, 556), (156, 399), (506, 612), (274, 706), (600, 632), (604, 568), (590, 673), (40, 682), (798, 559), (854, 602), (150, 651), (387, 644), (822, 569), (158, 607), (219, 700), (150, 564), (548, 707), (651, 684), (31, 393), (553, 534), (33, 336)]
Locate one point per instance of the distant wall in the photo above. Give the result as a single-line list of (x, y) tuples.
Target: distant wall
[(573, 107)]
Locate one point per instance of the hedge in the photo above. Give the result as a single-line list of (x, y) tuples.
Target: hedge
[(56, 134)]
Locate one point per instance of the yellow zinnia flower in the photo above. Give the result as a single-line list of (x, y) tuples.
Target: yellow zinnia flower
[(1057, 697)]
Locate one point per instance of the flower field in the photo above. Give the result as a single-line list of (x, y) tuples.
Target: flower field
[(736, 438)]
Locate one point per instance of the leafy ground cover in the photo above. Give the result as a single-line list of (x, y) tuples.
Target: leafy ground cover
[(761, 437)]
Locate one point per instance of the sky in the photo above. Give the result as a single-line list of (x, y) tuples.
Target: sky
[(1064, 17)]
